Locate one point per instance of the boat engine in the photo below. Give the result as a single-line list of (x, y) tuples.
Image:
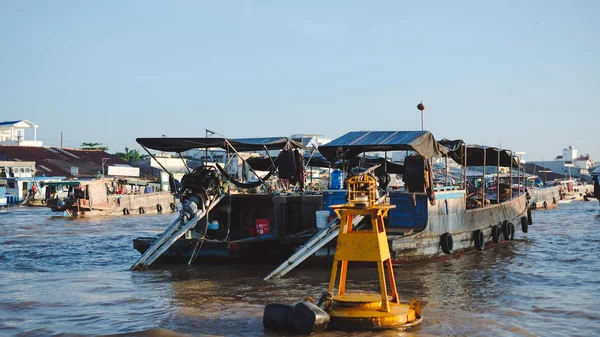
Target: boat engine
[(199, 187)]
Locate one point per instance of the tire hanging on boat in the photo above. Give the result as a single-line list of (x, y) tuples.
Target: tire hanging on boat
[(141, 210), (173, 208), (479, 239), (447, 243), (524, 224), (533, 206), (496, 234), (553, 200), (158, 208), (512, 230), (506, 230), (125, 211), (545, 205)]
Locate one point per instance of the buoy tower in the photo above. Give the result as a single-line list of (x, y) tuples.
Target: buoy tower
[(362, 310)]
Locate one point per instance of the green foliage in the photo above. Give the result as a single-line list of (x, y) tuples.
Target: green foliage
[(130, 156), (93, 146)]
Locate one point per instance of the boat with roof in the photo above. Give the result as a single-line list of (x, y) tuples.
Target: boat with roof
[(107, 196), (219, 224)]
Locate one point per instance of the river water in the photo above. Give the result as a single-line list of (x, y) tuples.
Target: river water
[(70, 278)]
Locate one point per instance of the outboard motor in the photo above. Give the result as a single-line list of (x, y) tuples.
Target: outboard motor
[(200, 186)]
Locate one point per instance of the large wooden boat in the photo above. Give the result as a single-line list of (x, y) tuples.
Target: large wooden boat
[(432, 222), (223, 218), (87, 198), (428, 221)]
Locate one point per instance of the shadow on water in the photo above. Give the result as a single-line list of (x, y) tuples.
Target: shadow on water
[(71, 277)]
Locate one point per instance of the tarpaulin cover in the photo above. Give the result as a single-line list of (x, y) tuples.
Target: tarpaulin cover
[(475, 154), (357, 142)]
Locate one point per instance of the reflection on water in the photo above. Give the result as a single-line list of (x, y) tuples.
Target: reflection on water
[(62, 276)]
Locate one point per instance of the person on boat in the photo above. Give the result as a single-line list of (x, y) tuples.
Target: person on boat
[(147, 189)]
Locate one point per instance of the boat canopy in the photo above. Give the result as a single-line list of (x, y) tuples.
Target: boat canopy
[(357, 142), (475, 154), (317, 160), (240, 144)]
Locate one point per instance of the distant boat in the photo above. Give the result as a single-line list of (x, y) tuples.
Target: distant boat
[(86, 198)]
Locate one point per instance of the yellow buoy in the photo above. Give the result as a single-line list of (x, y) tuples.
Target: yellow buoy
[(359, 310)]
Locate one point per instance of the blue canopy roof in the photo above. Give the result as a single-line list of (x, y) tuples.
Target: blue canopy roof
[(356, 142)]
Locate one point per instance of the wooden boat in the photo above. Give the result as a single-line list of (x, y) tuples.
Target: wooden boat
[(428, 222), (432, 222), (87, 198), (223, 219), (543, 197)]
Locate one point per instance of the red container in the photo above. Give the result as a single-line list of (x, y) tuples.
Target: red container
[(262, 226), (252, 230)]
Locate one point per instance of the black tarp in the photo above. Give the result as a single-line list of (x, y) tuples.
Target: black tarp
[(239, 144), (456, 149), (265, 163), (475, 154), (357, 142)]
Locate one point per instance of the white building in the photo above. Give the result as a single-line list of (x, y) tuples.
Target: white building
[(569, 163), (13, 133)]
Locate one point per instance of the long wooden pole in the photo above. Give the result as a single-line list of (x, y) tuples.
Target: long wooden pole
[(483, 180)]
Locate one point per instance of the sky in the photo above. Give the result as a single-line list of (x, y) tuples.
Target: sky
[(523, 75)]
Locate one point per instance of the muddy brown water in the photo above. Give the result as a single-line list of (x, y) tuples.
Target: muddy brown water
[(70, 278)]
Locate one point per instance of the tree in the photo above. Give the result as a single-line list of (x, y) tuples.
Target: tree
[(93, 146), (130, 155)]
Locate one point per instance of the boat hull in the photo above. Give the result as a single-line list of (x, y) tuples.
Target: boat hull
[(116, 205), (544, 197), (449, 215)]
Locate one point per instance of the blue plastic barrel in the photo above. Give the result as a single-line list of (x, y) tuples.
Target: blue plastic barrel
[(336, 180)]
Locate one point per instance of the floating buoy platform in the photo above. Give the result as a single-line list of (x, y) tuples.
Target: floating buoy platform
[(356, 310), (359, 310)]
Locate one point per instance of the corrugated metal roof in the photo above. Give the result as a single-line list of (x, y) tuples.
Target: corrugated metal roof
[(55, 162)]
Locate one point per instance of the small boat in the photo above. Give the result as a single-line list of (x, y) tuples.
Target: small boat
[(87, 198), (541, 196)]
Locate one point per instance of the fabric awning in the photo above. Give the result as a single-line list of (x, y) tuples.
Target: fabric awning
[(357, 142)]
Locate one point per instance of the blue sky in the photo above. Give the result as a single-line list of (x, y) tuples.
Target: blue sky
[(523, 74)]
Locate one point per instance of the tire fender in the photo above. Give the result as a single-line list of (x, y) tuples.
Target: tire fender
[(447, 243), (479, 239)]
